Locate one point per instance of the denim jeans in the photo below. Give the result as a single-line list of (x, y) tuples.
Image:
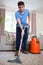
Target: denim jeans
[(18, 37)]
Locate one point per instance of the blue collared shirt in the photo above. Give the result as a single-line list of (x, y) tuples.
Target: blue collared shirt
[(22, 17)]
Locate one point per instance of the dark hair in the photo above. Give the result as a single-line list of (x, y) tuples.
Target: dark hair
[(20, 3)]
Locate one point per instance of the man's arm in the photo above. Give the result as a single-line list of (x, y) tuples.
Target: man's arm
[(18, 21), (28, 20), (28, 13)]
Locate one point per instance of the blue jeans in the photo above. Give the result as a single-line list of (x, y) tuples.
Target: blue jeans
[(18, 37)]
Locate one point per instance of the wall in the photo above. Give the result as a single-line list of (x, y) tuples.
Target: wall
[(39, 23)]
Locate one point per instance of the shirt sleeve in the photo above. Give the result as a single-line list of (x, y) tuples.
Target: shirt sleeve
[(17, 16)]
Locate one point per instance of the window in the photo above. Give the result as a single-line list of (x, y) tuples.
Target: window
[(10, 22)]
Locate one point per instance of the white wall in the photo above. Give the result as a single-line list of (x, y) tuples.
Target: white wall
[(39, 23), (30, 4)]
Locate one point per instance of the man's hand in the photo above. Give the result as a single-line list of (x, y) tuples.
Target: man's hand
[(28, 24)]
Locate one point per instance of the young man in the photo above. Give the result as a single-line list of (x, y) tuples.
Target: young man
[(21, 16)]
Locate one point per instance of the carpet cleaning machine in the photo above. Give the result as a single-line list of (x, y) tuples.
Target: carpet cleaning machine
[(17, 60), (35, 45)]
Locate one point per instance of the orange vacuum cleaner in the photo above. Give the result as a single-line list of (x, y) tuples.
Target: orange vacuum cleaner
[(35, 45)]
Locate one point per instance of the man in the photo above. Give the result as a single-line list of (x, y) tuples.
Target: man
[(21, 16)]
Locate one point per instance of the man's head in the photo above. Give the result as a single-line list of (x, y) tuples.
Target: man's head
[(21, 6)]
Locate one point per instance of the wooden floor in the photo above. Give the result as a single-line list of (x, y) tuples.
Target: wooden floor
[(29, 59)]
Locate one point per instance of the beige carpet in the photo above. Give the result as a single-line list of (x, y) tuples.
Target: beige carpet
[(29, 59)]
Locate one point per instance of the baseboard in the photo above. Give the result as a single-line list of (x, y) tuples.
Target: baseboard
[(14, 50)]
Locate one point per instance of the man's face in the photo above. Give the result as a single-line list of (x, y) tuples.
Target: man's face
[(21, 8)]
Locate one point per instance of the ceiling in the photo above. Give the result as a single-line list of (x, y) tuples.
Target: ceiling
[(34, 5)]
